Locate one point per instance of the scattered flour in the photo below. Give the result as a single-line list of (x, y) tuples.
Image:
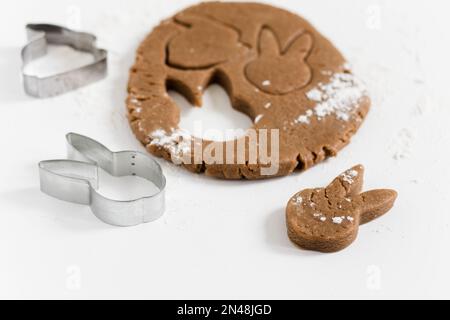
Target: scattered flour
[(258, 118), (135, 101), (337, 220), (320, 216), (349, 176), (339, 97), (177, 143), (315, 95), (298, 200), (305, 118), (402, 144), (266, 83)]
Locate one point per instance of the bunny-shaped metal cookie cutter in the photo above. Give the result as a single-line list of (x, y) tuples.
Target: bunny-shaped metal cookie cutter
[(39, 36), (76, 180)]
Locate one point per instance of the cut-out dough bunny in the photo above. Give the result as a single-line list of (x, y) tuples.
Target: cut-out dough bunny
[(205, 44), (327, 219), (280, 72)]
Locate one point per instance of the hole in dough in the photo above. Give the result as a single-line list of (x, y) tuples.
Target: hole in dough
[(216, 120)]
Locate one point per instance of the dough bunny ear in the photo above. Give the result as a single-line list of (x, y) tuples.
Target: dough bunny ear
[(268, 43), (376, 203), (301, 46), (347, 184)]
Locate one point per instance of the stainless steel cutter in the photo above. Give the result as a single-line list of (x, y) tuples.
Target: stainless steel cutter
[(39, 36), (76, 180)]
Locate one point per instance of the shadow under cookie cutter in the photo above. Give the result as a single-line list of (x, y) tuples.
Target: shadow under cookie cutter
[(76, 180), (39, 36)]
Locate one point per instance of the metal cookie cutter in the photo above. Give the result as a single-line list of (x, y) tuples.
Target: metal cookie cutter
[(39, 35), (76, 181)]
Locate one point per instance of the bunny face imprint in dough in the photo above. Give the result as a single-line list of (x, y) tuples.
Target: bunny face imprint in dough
[(327, 219), (276, 72)]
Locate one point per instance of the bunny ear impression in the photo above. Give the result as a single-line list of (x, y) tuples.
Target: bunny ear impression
[(347, 184), (300, 46), (268, 43)]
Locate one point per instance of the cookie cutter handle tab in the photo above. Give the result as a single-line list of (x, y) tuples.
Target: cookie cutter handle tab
[(68, 180)]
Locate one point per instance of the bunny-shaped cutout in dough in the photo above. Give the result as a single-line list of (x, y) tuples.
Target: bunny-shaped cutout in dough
[(205, 44), (327, 219), (280, 72)]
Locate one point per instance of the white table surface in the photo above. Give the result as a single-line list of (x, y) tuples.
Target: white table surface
[(221, 239)]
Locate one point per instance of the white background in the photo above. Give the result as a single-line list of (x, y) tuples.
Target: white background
[(222, 239)]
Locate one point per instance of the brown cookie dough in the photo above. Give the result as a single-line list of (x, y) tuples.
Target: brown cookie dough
[(277, 69), (327, 220)]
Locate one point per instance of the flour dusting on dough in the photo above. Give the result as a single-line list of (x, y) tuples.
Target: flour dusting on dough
[(349, 176), (340, 97), (136, 103), (305, 118), (320, 216), (258, 118), (178, 142), (337, 220), (298, 200)]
